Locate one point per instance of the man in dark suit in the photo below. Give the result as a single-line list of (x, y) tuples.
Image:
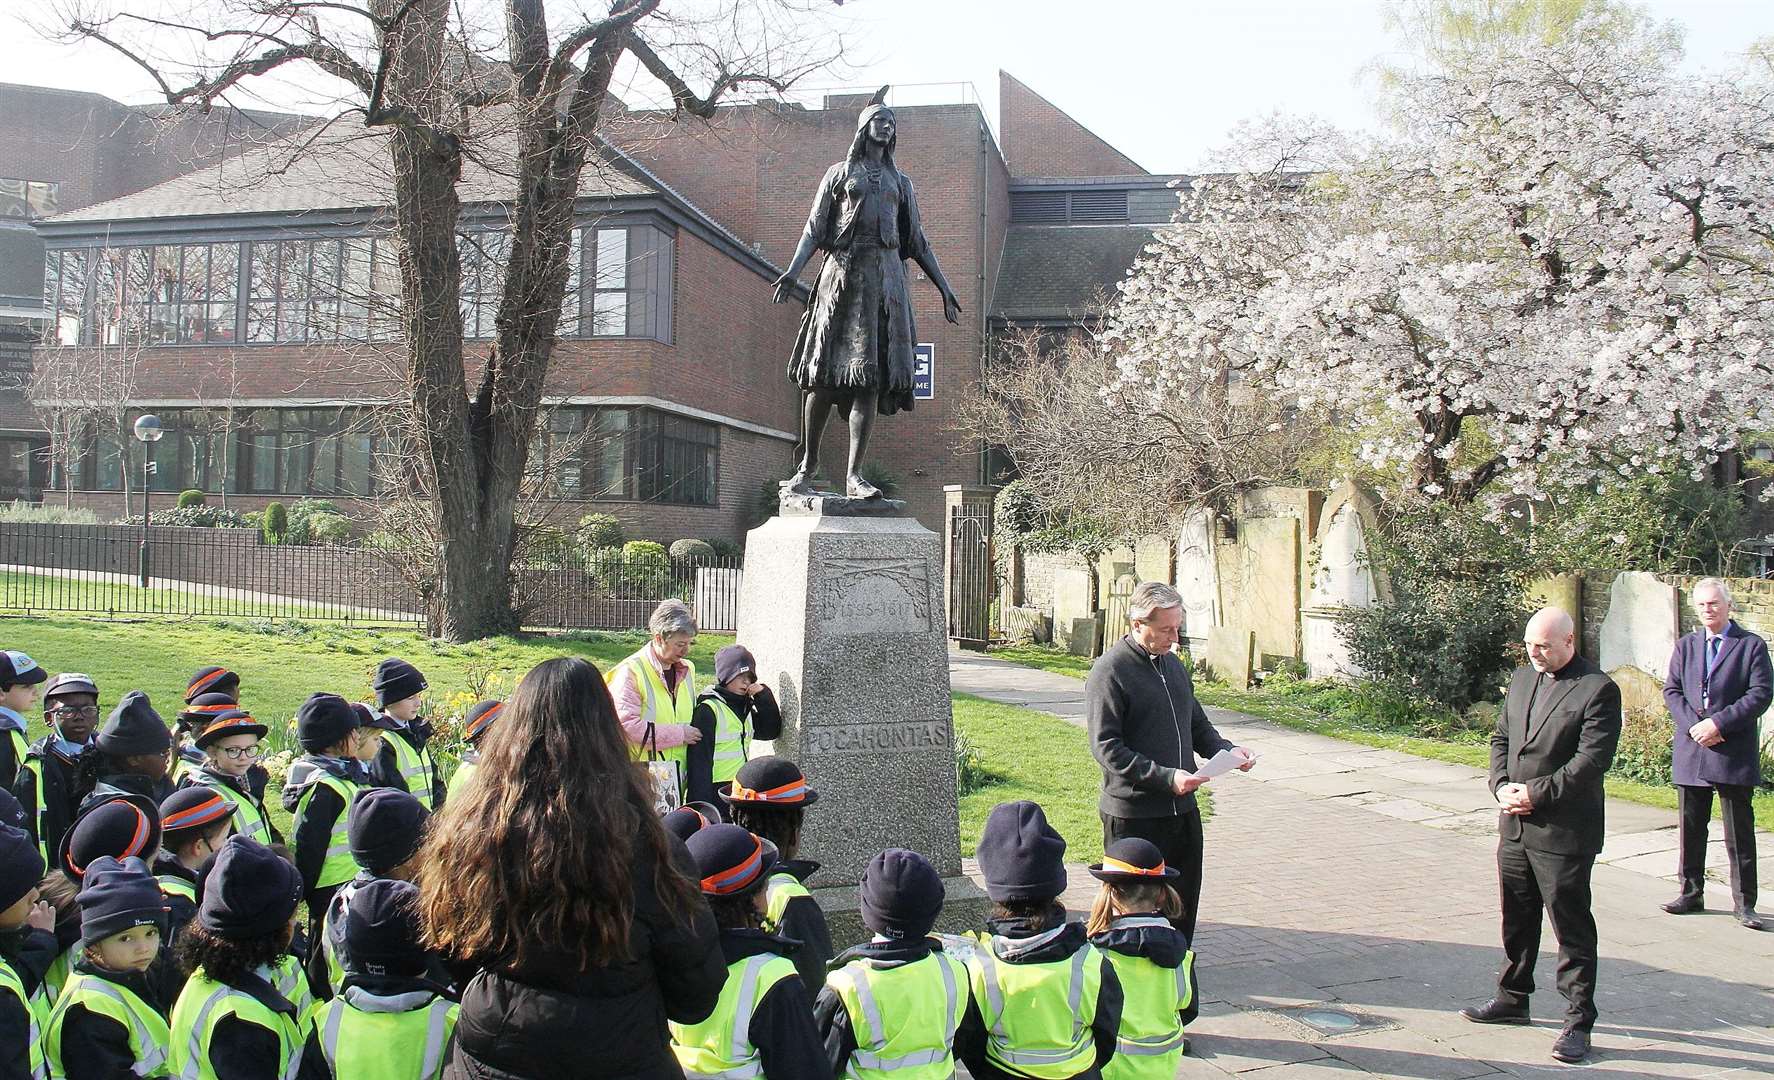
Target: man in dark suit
[(1555, 737), (1719, 685)]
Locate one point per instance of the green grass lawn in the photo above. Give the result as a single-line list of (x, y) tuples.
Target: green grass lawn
[(1474, 752), (22, 592), (1029, 754)]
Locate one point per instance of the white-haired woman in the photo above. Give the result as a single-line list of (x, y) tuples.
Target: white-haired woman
[(655, 689)]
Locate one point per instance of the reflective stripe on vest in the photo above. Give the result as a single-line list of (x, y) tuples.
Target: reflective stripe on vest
[(458, 780), (729, 739), (329, 945), (1034, 1038), (338, 867), (21, 749), (911, 1033), (386, 1043), (60, 969), (782, 889), (34, 766), (10, 983), (1149, 1043), (249, 819), (677, 710), (203, 1004), (414, 767), (720, 1047), (174, 885), (149, 1036)]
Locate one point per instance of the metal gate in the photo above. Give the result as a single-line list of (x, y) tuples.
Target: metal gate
[(971, 581)]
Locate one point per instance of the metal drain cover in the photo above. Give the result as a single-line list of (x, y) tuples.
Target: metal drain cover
[(1330, 1021)]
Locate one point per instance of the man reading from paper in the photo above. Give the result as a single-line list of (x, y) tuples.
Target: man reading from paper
[(1146, 729)]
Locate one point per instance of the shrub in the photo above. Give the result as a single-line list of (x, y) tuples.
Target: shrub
[(199, 517), (597, 531), (645, 551), (307, 507), (1647, 748), (547, 547), (190, 497), (325, 528), (1658, 522), (971, 771), (691, 549), (725, 548), (1457, 607), (275, 525), (1376, 707), (38, 514), (642, 573)]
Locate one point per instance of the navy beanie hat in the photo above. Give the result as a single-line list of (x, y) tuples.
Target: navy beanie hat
[(122, 826), (382, 930), (902, 894), (1020, 855), (396, 680), (11, 812), (249, 891), (732, 661), (385, 828), (134, 728), (117, 896), (324, 720), (21, 867)]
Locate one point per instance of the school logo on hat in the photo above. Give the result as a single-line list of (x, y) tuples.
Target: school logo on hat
[(18, 667)]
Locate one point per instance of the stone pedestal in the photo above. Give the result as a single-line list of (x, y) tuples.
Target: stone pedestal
[(845, 617)]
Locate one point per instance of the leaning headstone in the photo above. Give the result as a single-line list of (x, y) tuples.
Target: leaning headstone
[(1231, 654), (1641, 626), (844, 615)]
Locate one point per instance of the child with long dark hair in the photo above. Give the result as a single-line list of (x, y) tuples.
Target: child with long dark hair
[(232, 1019), (599, 932), (1133, 923)]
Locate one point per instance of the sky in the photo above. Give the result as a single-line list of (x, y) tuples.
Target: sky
[(1164, 81)]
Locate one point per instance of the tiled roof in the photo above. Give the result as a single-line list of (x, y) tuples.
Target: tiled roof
[(336, 166), (1061, 271)]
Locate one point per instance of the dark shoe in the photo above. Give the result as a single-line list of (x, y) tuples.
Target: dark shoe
[(1495, 1011), (1747, 916), (1685, 905), (1571, 1046)]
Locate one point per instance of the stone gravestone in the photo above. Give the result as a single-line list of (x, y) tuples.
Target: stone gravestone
[(844, 615), (1638, 634)]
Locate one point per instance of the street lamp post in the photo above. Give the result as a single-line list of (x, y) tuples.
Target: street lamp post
[(148, 432)]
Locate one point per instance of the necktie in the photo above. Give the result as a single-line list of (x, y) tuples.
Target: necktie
[(1712, 657)]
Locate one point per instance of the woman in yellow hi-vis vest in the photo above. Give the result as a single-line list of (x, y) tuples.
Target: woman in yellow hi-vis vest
[(655, 689)]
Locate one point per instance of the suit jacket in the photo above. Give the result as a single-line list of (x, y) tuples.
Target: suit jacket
[(1741, 686), (1560, 753)]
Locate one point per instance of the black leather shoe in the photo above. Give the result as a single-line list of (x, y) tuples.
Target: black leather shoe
[(1571, 1046), (1685, 905), (1747, 916), (1495, 1011)]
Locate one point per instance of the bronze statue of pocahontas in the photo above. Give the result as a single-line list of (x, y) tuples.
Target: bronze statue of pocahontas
[(854, 349)]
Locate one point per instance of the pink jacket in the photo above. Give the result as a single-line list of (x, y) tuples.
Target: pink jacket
[(630, 699)]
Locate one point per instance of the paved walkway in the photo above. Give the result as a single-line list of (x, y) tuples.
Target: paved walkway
[(1355, 889)]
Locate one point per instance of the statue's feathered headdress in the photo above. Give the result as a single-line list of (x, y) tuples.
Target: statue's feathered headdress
[(876, 105)]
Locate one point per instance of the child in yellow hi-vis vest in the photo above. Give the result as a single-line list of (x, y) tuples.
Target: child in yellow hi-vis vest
[(1046, 1002), (27, 948), (769, 797), (1132, 922), (108, 1021), (893, 1005), (762, 1024), (389, 1019), (318, 792)]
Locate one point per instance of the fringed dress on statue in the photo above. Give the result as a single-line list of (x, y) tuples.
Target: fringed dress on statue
[(857, 332)]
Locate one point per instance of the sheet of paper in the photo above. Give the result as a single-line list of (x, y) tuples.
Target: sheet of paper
[(1220, 764)]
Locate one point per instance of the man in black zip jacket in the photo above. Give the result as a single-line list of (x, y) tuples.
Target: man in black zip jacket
[(1146, 730)]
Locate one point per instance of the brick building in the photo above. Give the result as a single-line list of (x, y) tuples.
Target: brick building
[(254, 293)]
